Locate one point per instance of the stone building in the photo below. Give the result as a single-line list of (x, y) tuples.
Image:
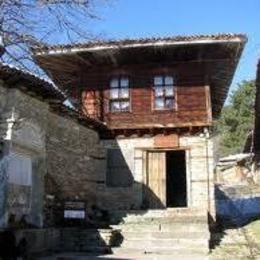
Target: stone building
[(38, 136)]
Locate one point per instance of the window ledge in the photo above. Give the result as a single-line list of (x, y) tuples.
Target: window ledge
[(118, 112)]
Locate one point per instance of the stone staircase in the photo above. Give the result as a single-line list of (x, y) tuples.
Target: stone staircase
[(162, 232)]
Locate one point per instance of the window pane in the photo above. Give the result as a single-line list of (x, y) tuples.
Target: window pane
[(114, 93), (169, 103), (169, 91), (114, 83), (159, 103), (168, 80), (158, 91), (124, 83), (115, 106), (124, 93), (124, 105), (158, 80)]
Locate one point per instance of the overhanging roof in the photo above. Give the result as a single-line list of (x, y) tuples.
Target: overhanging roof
[(30, 83), (219, 52)]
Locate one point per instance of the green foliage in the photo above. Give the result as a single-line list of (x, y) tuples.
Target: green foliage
[(237, 119)]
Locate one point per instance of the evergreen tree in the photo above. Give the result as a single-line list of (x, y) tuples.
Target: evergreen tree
[(237, 119)]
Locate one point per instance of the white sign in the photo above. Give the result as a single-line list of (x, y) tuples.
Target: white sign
[(74, 214)]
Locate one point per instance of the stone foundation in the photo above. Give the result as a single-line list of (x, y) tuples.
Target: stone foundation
[(199, 172)]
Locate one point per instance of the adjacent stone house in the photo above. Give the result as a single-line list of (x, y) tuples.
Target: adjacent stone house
[(39, 137)]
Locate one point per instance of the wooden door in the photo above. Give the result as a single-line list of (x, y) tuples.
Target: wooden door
[(156, 180)]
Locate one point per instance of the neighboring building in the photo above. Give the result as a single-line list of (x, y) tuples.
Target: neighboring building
[(38, 135), (158, 99)]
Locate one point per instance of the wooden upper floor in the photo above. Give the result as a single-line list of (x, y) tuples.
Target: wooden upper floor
[(137, 98), (148, 83)]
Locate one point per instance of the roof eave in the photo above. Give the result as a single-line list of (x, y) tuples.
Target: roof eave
[(60, 51)]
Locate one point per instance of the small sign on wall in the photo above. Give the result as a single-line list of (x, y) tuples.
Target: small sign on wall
[(74, 214), (166, 141), (74, 210)]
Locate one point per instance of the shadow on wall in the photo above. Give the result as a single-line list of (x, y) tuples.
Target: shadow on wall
[(93, 234), (236, 205)]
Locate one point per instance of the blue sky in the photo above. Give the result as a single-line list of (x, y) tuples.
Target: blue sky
[(146, 18)]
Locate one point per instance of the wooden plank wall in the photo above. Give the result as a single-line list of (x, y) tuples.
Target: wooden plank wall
[(191, 92)]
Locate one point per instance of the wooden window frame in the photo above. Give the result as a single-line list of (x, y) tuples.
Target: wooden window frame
[(119, 99), (164, 96)]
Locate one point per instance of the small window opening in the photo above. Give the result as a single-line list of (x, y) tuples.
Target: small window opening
[(119, 94), (163, 92)]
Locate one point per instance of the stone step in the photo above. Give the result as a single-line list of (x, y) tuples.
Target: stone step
[(231, 240), (127, 256), (163, 227), (119, 215), (159, 251), (172, 256), (85, 238), (164, 235), (162, 243), (183, 220), (83, 243), (94, 249)]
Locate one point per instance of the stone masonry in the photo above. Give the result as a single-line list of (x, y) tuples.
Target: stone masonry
[(60, 149), (199, 165)]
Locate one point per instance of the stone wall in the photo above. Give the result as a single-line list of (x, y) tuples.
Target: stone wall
[(25, 130), (3, 99), (3, 93), (199, 167), (75, 162), (65, 160)]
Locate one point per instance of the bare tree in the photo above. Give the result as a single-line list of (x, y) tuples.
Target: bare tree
[(26, 23)]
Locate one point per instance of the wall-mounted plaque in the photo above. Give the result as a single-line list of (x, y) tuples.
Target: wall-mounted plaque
[(74, 214), (74, 210)]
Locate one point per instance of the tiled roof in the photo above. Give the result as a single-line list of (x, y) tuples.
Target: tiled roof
[(46, 90), (34, 84), (153, 40)]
